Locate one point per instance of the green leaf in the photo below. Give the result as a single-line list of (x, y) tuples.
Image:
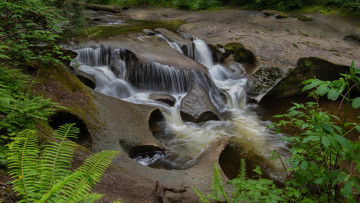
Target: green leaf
[(358, 128), (325, 141), (347, 189), (356, 103), (312, 85), (311, 138), (333, 94), (322, 89), (327, 127), (343, 141), (308, 81)]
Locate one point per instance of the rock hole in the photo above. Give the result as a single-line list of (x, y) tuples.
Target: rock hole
[(157, 123), (146, 154), (230, 160), (62, 117), (86, 81)]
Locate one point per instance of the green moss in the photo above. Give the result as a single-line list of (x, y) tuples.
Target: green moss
[(233, 46), (136, 26), (295, 45), (239, 52), (304, 34), (302, 17)]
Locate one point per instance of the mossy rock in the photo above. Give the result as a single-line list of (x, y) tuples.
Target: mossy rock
[(137, 26), (263, 80), (239, 52), (306, 68), (275, 13)]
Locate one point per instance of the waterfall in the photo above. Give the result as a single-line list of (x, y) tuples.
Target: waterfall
[(94, 57), (118, 76), (163, 78), (173, 44), (203, 54), (118, 62)]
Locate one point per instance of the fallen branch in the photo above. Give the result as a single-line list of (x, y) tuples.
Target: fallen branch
[(97, 7)]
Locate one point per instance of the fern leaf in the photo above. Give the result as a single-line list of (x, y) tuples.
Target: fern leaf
[(56, 157), (91, 198), (242, 171), (92, 169), (201, 196), (57, 187), (23, 164), (217, 186)]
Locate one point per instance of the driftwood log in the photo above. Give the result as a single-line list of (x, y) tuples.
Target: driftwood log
[(97, 7)]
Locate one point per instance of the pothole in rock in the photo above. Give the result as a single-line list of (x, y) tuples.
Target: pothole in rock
[(86, 81), (63, 117), (147, 155), (230, 161)]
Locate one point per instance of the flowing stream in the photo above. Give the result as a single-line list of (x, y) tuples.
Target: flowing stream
[(185, 141)]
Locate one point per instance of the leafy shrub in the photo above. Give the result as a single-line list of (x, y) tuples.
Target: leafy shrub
[(18, 109), (245, 190), (324, 164), (45, 175), (197, 4)]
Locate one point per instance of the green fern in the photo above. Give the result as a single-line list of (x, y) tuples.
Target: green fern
[(92, 170), (46, 176), (23, 163), (56, 157), (201, 196), (217, 189), (242, 171)]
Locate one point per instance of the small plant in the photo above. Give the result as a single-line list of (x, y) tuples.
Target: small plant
[(245, 189), (45, 175)]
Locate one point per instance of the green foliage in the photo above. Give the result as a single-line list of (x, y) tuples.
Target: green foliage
[(18, 109), (45, 175), (197, 4), (30, 30), (324, 164), (245, 190)]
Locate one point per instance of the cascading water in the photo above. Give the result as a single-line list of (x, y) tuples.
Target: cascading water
[(174, 45), (185, 141)]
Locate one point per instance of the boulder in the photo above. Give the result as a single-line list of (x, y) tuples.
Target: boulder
[(148, 32), (240, 54), (164, 98), (197, 107), (306, 68), (86, 78), (275, 13), (263, 80)]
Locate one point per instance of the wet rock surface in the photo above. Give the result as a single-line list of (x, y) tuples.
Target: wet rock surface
[(262, 81), (197, 107), (275, 42), (164, 98)]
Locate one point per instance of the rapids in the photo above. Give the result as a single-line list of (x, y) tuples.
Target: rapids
[(185, 141)]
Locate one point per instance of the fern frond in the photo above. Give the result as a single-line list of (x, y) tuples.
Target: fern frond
[(217, 186), (92, 169), (201, 196), (56, 157), (91, 198), (23, 164), (242, 171), (57, 187)]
